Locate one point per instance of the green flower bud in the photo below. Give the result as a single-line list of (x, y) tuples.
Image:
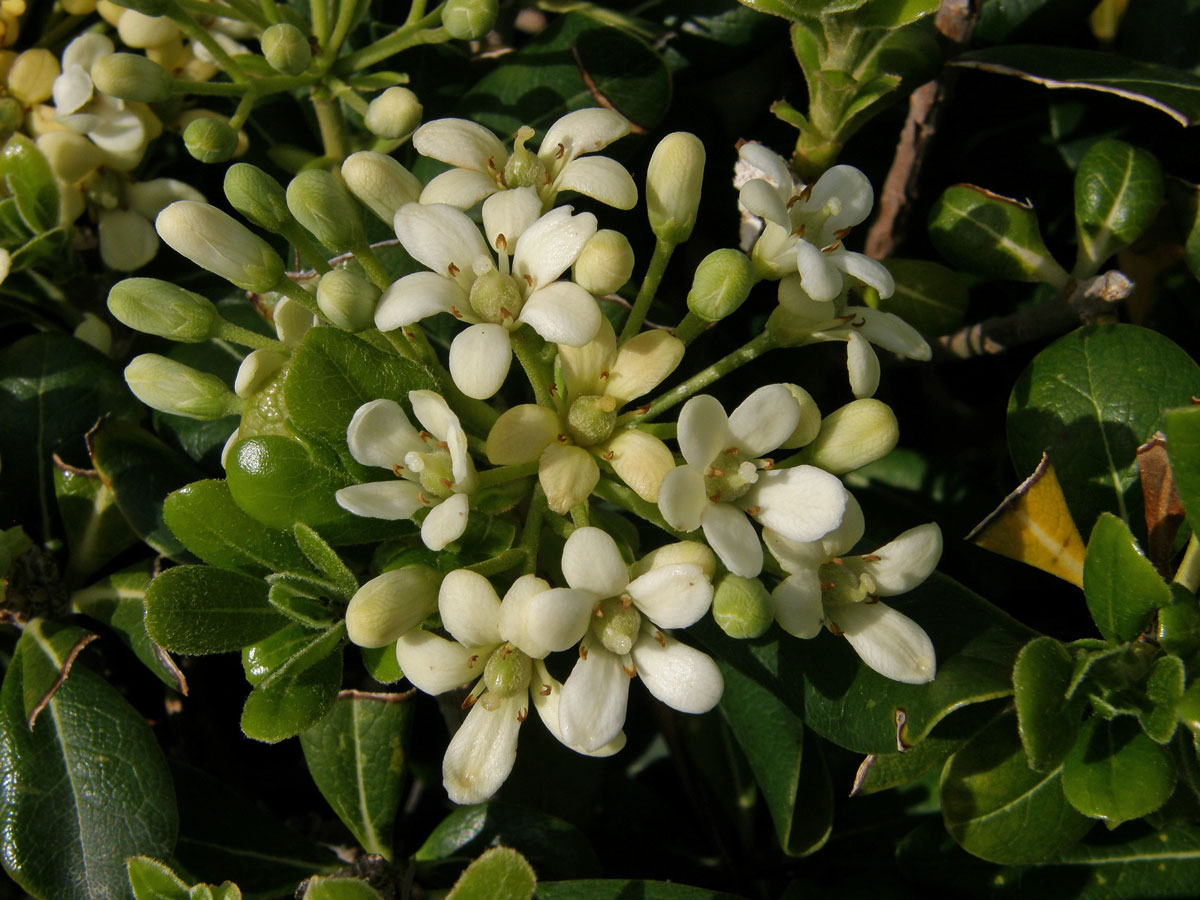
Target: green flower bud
[(286, 48), (219, 243), (673, 181), (616, 624), (348, 300), (321, 203), (391, 604), (496, 297), (605, 263), (394, 114), (257, 196), (210, 140), (721, 284), (164, 309), (172, 387), (860, 432), (810, 418), (742, 607), (591, 420), (507, 671), (469, 20), (524, 168), (131, 76), (380, 183)]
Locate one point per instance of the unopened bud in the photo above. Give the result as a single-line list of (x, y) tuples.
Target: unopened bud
[(130, 76), (219, 243), (141, 28), (394, 114), (469, 20), (380, 183), (257, 196), (210, 140), (605, 263), (391, 604), (321, 203), (742, 607), (860, 432), (31, 78), (172, 387), (256, 371), (673, 181), (348, 300), (286, 48), (721, 284), (163, 309), (810, 418)]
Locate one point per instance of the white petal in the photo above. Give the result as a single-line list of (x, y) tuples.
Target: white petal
[(470, 608), (551, 245), (84, 50), (417, 296), (642, 364), (818, 276), (439, 419), (591, 708), (868, 271), (764, 420), (797, 604), (446, 522), (680, 676), (460, 188), (802, 504), (379, 434), (507, 214), (545, 621), (888, 641), (763, 200), (562, 313), (545, 691), (906, 561), (703, 430), (479, 360), (693, 552), (435, 665), (681, 498), (892, 333), (582, 131), (674, 595), (151, 197), (584, 365), (71, 90), (640, 460), (381, 499), (127, 241), (521, 434), (772, 166), (600, 178), (440, 236), (461, 143), (733, 538), (483, 751), (852, 191), (842, 539), (862, 364), (795, 557), (567, 475), (120, 131), (591, 562), (292, 321)]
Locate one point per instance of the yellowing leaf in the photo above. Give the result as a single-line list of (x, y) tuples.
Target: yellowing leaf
[(1034, 526)]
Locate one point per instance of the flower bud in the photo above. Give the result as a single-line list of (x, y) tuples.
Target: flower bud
[(469, 20), (394, 114), (321, 203), (605, 264), (348, 300), (692, 552), (286, 48), (391, 604), (810, 418), (219, 243), (210, 140), (256, 370), (140, 28), (92, 330), (31, 78), (163, 309), (257, 196), (721, 284), (742, 607), (130, 76), (172, 387), (860, 432), (673, 181), (380, 183)]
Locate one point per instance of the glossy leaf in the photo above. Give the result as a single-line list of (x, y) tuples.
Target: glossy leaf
[(201, 609), (381, 664), (299, 692), (30, 182), (50, 649), (151, 880), (1183, 448), (95, 528), (1118, 191), (1089, 400), (998, 808), (340, 889), (1046, 721), (928, 296), (501, 873), (1115, 772), (263, 657), (1121, 586), (1164, 690), (356, 756)]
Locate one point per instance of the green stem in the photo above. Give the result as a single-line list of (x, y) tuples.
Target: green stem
[(270, 13), (197, 32), (333, 127), (690, 328), (318, 12), (236, 334), (407, 35), (293, 291), (262, 86), (654, 275), (234, 9), (662, 430), (371, 265), (702, 379), (242, 113), (522, 344), (306, 246), (504, 474), (579, 515), (629, 501), (341, 27), (532, 534), (509, 559), (1188, 573), (402, 344), (59, 30)]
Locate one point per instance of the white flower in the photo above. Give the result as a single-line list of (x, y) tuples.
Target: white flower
[(725, 475), (434, 468), (622, 636), (482, 166), (804, 226), (842, 593), (495, 297)]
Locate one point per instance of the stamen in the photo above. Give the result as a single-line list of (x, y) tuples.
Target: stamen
[(626, 601), (799, 232), (582, 652), (833, 629), (871, 557), (630, 670), (715, 498), (522, 714), (660, 637), (471, 660), (529, 279), (841, 233), (446, 483), (398, 470), (443, 445), (453, 270), (423, 500), (558, 154), (838, 561), (455, 312), (501, 243), (806, 194), (561, 438), (834, 246), (553, 389), (505, 313), (714, 472), (545, 691), (753, 510), (828, 586), (732, 451), (604, 375), (871, 598), (607, 455), (766, 463), (506, 651)]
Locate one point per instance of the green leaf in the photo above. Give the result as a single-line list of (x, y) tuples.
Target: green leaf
[(1164, 690), (999, 809), (1118, 191), (501, 873), (620, 889), (356, 756), (1185, 203), (301, 605), (326, 561), (58, 841), (298, 693), (1046, 720), (199, 609), (1179, 623), (1182, 427), (340, 889), (381, 664), (992, 235), (1172, 91), (1115, 772), (894, 13), (96, 529), (263, 657), (1122, 587), (151, 880), (928, 296), (31, 182), (205, 519), (50, 649), (795, 10), (1089, 400)]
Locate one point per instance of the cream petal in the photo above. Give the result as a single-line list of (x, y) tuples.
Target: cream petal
[(640, 460), (567, 475), (773, 166), (438, 237), (418, 296), (905, 562), (439, 419), (460, 188), (380, 183), (562, 313), (127, 241), (551, 245), (479, 360), (483, 751), (888, 641), (470, 608), (693, 552), (680, 676), (763, 200), (793, 298), (703, 430), (591, 707), (435, 665), (802, 504), (862, 364), (446, 522), (149, 198), (508, 214), (546, 621), (797, 604), (868, 271), (681, 498), (381, 499), (764, 420), (379, 434), (257, 368), (390, 605), (84, 50), (674, 595), (642, 364), (545, 691), (584, 366), (591, 562), (601, 179), (582, 131), (795, 557), (892, 333), (851, 190), (460, 143), (818, 275), (71, 90), (733, 538), (292, 321), (120, 130), (521, 434)]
